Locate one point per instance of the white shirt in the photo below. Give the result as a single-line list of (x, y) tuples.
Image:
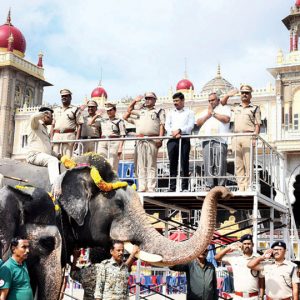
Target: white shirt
[(244, 280), (213, 126), (183, 119)]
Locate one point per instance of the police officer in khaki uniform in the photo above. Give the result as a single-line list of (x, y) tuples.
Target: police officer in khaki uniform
[(67, 124), (112, 127), (91, 130), (247, 119), (282, 282), (40, 151), (149, 121)]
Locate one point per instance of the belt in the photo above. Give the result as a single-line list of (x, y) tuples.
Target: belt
[(244, 131), (246, 295), (109, 137), (289, 298), (64, 130), (89, 137)]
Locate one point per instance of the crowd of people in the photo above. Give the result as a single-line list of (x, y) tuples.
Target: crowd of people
[(69, 123), (269, 276)]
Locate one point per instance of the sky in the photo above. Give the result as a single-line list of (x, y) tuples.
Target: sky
[(143, 45)]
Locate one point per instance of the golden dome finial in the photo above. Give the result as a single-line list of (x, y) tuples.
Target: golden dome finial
[(185, 69), (8, 19), (219, 70)]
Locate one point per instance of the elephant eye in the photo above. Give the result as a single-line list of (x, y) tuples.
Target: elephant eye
[(119, 203)]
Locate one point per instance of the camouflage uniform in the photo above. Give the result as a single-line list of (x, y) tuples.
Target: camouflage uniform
[(87, 278), (112, 281)]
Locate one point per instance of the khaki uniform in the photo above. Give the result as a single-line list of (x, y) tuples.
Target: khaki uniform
[(40, 151), (147, 122), (90, 132), (65, 123), (245, 280), (279, 279), (114, 128), (245, 119), (111, 281)]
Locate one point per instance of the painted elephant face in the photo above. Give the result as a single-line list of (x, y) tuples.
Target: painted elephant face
[(118, 214)]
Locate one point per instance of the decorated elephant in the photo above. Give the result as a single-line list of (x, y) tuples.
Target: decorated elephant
[(94, 207)]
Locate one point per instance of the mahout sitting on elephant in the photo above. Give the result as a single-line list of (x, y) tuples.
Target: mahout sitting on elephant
[(93, 208)]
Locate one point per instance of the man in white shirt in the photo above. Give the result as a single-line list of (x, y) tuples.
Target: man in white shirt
[(179, 122), (214, 120)]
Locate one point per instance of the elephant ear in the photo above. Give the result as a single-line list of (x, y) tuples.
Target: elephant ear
[(121, 229), (76, 190)]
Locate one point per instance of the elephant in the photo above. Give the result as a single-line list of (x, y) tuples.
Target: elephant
[(91, 213)]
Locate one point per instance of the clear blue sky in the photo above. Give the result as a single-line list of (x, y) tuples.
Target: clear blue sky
[(141, 45)]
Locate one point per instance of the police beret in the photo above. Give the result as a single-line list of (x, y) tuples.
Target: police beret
[(279, 244), (65, 92), (246, 237)]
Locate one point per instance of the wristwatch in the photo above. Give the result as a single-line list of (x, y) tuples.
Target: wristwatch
[(213, 114)]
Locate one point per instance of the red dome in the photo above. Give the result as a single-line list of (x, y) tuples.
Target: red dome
[(184, 84), (99, 92), (298, 3), (19, 42)]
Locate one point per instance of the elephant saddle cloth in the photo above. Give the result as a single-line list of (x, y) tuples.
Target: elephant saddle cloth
[(112, 280)]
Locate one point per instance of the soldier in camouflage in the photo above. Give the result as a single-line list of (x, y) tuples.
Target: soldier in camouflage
[(112, 274)]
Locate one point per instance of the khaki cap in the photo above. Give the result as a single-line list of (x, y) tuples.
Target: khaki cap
[(150, 95), (246, 88), (65, 92), (92, 103), (109, 106)]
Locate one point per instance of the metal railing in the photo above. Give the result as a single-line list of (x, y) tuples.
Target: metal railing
[(266, 164)]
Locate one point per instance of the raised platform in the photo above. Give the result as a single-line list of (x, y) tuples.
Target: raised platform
[(187, 201)]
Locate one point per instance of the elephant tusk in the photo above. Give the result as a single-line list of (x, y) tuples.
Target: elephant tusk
[(145, 256)]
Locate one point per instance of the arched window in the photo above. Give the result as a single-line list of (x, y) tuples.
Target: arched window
[(28, 97), (296, 110)]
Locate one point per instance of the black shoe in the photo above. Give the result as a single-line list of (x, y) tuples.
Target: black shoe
[(171, 190)]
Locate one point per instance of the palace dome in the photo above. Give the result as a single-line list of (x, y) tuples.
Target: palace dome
[(184, 84), (7, 30), (99, 92), (297, 3), (218, 84)]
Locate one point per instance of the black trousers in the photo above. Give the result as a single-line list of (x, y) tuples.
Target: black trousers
[(173, 152)]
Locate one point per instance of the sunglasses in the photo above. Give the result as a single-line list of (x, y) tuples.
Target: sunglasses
[(246, 93)]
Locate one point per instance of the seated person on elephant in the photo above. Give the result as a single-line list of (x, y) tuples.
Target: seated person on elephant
[(40, 151), (14, 277)]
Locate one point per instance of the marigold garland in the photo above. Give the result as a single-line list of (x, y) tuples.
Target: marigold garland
[(103, 185), (21, 187), (68, 162), (56, 206)]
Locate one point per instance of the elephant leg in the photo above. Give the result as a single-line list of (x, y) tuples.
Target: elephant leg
[(45, 257)]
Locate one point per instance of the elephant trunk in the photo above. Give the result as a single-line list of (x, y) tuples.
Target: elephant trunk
[(179, 252)]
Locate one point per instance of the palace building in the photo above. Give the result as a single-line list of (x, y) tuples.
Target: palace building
[(22, 84)]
